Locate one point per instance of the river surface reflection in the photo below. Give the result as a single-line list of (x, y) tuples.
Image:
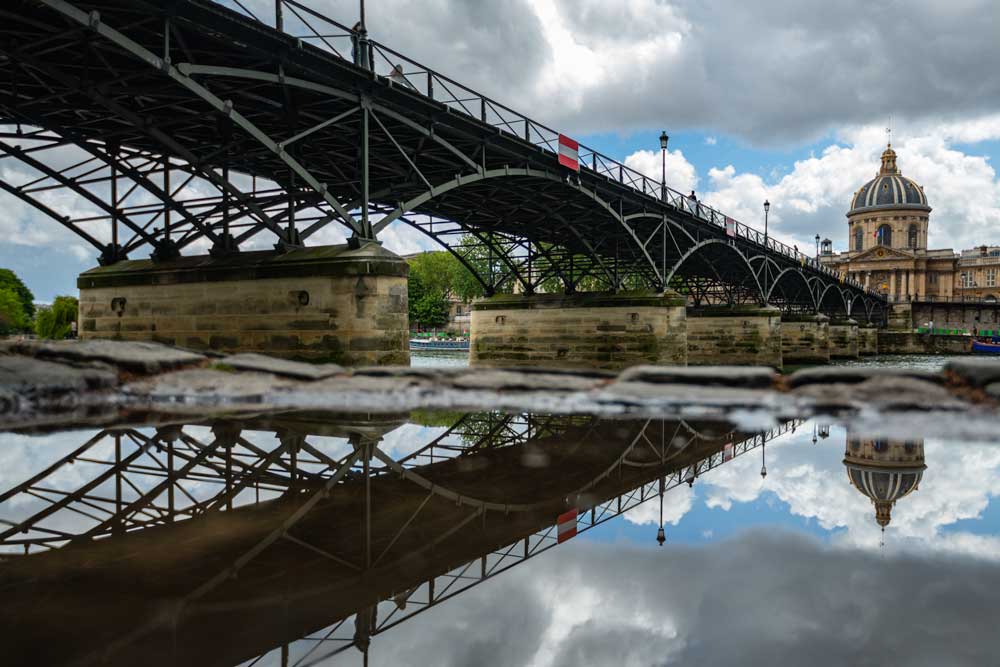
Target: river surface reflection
[(495, 539)]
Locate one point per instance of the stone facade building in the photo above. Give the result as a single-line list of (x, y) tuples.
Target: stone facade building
[(887, 237)]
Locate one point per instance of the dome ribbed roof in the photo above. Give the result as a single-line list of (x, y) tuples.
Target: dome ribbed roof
[(889, 189)]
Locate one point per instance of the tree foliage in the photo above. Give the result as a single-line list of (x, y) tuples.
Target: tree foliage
[(9, 280), (12, 318), (57, 321)]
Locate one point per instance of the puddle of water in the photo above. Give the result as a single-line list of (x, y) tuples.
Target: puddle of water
[(495, 539)]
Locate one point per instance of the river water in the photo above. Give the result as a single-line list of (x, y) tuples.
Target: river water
[(922, 362), (496, 539)]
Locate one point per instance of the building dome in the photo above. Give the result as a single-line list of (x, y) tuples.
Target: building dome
[(889, 190), (884, 472)]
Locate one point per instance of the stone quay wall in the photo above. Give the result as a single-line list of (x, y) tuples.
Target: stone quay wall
[(805, 339), (331, 303), (597, 330), (734, 335), (844, 339), (906, 342)]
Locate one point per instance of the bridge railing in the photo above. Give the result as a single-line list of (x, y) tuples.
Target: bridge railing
[(402, 71)]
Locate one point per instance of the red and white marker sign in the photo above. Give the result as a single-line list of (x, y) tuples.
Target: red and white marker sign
[(569, 153), (566, 526), (730, 227)]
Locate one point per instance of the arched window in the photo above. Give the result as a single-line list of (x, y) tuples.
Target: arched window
[(912, 236), (884, 235), (859, 237)]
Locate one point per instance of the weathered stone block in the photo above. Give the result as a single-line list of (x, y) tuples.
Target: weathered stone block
[(805, 339), (734, 335), (844, 339), (311, 304), (580, 330)]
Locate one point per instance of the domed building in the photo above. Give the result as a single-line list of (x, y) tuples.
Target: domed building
[(884, 471), (887, 236), (887, 225)]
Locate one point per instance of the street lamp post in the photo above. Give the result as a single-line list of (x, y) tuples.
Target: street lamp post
[(663, 174), (767, 207), (817, 247)]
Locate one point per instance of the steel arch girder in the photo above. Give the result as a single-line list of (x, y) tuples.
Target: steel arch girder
[(506, 172), (794, 272), (711, 242)]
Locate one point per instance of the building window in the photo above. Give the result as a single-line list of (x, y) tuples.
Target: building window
[(932, 278), (884, 235), (859, 237), (991, 277), (965, 279), (912, 236)]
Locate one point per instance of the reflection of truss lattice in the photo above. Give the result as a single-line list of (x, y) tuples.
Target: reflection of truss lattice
[(431, 507)]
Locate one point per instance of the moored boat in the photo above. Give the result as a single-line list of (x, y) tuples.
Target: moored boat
[(985, 348), (440, 345)]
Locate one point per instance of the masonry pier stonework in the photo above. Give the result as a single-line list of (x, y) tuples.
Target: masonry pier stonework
[(867, 339), (844, 339), (805, 338), (742, 335), (590, 329), (326, 303)]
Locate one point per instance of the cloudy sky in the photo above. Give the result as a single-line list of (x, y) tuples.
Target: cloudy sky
[(780, 100)]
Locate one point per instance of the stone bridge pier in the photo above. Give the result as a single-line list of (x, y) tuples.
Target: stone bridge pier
[(844, 338), (805, 338), (590, 329), (325, 304), (741, 335)]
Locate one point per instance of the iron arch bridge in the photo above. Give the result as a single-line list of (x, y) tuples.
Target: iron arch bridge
[(172, 126)]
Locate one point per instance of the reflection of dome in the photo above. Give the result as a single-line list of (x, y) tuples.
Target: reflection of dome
[(885, 471), (889, 190)]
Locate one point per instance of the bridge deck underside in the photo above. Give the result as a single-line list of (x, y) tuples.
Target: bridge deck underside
[(267, 134)]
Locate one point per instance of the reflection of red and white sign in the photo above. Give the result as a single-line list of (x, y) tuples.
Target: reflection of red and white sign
[(727, 452), (730, 227), (569, 153), (566, 526)]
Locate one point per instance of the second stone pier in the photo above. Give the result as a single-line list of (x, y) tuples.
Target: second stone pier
[(805, 339), (596, 330), (844, 339), (746, 335)]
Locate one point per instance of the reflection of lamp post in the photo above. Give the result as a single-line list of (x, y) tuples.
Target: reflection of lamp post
[(763, 464), (663, 174), (660, 536), (814, 433)]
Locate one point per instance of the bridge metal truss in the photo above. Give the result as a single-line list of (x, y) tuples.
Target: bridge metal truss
[(134, 480), (180, 110)]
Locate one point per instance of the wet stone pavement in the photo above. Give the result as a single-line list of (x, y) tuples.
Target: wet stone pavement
[(160, 507)]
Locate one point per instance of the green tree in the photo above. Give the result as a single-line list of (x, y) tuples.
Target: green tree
[(57, 321), (430, 311), (9, 280), (12, 318)]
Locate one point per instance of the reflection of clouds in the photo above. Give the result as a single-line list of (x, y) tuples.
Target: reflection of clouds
[(959, 483), (759, 599), (676, 503)]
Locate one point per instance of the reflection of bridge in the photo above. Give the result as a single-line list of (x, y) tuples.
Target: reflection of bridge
[(169, 541), (188, 123)]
